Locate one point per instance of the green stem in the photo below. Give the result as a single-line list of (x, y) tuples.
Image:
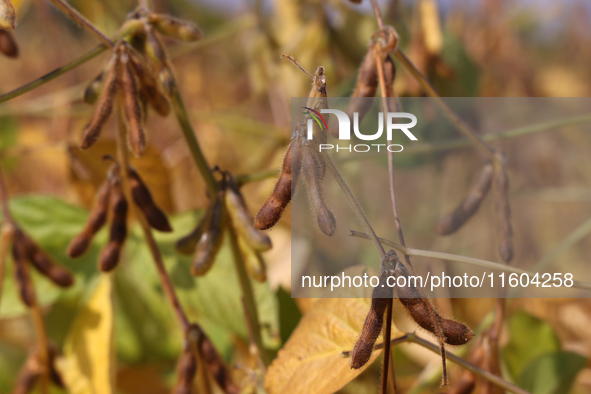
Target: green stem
[(191, 139), (252, 316), (77, 17), (54, 74), (127, 28), (468, 260)]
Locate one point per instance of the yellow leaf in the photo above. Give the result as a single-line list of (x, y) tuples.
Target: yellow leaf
[(88, 364), (311, 361)]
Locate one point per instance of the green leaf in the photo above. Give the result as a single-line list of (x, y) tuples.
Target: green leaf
[(289, 314), (530, 338), (213, 299), (52, 223), (552, 373)]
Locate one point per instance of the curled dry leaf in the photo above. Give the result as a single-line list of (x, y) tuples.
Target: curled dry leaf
[(7, 15), (311, 361)]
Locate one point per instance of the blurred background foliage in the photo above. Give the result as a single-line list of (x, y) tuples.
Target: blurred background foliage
[(237, 91)]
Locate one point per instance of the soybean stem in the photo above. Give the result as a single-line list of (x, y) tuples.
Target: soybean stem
[(460, 125), (222, 33), (251, 312), (81, 20), (462, 259), (191, 139), (155, 252)]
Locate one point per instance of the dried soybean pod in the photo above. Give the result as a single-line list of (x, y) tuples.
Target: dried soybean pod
[(143, 199), (254, 262), (8, 44), (21, 271), (7, 15), (96, 220), (297, 144), (175, 27), (166, 78), (94, 89), (216, 366), (374, 321), (453, 332), (28, 375), (273, 208), (318, 101), (118, 232), (469, 205), (146, 75), (154, 46), (104, 106), (186, 245), (367, 84), (324, 216), (133, 109), (186, 369), (44, 264), (503, 210), (210, 241), (242, 221)]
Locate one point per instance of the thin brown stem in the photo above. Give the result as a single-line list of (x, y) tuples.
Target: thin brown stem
[(123, 158), (4, 199), (81, 20), (5, 242), (460, 125), (384, 90), (378, 14), (355, 205)]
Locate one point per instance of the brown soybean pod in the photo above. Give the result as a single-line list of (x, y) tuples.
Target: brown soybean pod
[(374, 321), (143, 199), (174, 27), (186, 369), (132, 107), (367, 85), (242, 221), (44, 264), (28, 375), (317, 100), (104, 106), (210, 241), (216, 366), (454, 333), (8, 44), (21, 271), (96, 220), (273, 208), (149, 84), (503, 209), (451, 222), (118, 232), (324, 217)]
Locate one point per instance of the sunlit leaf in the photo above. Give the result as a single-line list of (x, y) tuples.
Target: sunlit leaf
[(311, 361), (89, 363)]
